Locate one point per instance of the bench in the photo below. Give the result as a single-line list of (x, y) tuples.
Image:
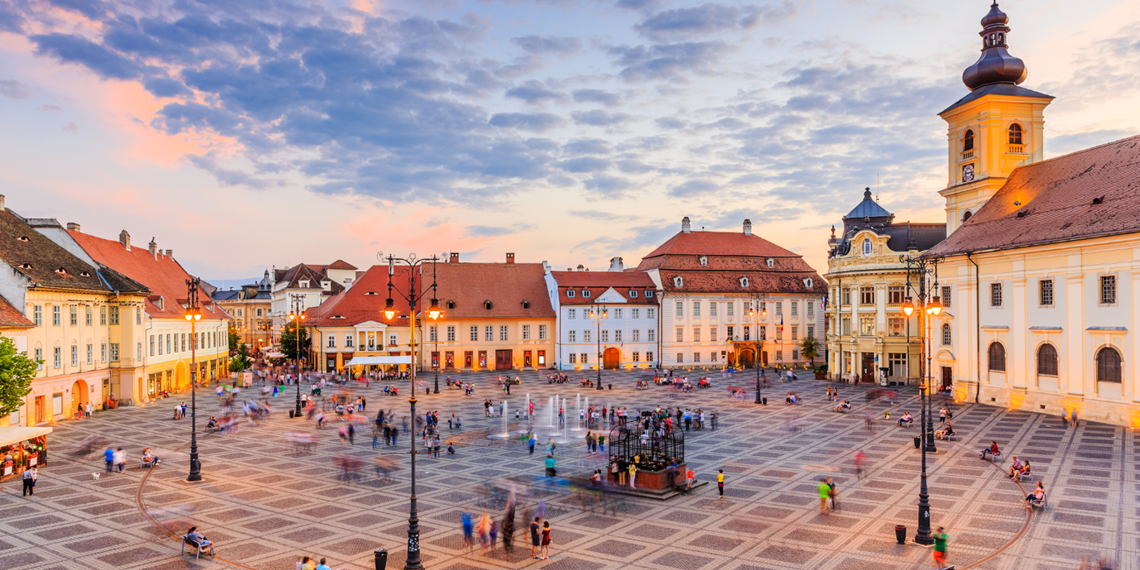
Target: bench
[(994, 457), (1043, 504), (148, 463), (948, 437), (199, 548), (1026, 476), (842, 410)]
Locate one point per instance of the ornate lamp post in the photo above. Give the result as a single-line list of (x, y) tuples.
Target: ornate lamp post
[(298, 315), (929, 305), (193, 315), (752, 312), (599, 312), (414, 298)]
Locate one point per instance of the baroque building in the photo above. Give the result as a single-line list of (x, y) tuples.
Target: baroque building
[(1042, 268), (869, 335), (250, 307)]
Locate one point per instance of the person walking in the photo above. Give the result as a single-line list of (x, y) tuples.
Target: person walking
[(720, 482), (109, 457), (534, 538), (120, 459), (1073, 417), (859, 464), (545, 540), (29, 482), (940, 540), (824, 495), (1065, 417)]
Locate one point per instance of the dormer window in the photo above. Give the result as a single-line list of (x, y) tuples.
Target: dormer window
[(23, 238), (571, 293), (61, 271), (304, 283), (867, 248), (586, 293), (487, 304), (648, 294), (744, 282), (678, 282), (704, 260), (807, 282), (326, 285), (632, 293), (450, 304), (526, 304), (771, 262)]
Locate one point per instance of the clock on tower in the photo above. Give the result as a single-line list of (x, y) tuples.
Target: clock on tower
[(968, 173)]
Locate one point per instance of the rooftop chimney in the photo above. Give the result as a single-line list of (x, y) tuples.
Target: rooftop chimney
[(616, 264), (72, 226), (510, 259), (747, 227), (125, 239), (454, 257), (581, 267), (153, 248), (170, 253), (685, 225)]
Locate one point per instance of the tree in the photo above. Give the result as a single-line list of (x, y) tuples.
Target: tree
[(289, 340), (241, 361), (16, 374), (235, 338), (809, 348)]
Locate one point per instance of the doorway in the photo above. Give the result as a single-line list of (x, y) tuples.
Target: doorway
[(502, 360), (947, 377), (747, 358), (867, 370), (39, 410), (78, 394), (611, 358)]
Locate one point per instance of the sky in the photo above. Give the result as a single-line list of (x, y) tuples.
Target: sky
[(257, 133)]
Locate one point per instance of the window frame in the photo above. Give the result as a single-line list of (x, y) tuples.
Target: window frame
[(996, 294), (1045, 293), (1043, 366), (1107, 290), (996, 357), (1115, 369)]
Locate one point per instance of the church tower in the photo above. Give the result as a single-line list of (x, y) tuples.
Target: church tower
[(996, 128)]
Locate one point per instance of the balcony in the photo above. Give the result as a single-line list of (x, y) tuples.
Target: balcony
[(967, 155), (1016, 149)]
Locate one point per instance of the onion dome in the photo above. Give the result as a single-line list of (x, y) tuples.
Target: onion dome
[(995, 65)]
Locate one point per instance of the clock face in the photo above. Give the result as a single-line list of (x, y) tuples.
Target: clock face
[(968, 173)]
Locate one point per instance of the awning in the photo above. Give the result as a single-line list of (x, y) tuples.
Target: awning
[(13, 435), (275, 355), (362, 360)]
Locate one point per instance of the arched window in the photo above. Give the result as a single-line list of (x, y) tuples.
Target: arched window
[(1015, 134), (967, 216), (1047, 360), (1108, 365), (968, 140), (866, 246), (947, 335), (997, 357)]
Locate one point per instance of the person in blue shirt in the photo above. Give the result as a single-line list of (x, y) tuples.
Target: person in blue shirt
[(323, 566), (109, 457)]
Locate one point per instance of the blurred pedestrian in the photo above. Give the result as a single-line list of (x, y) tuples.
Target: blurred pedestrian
[(940, 539)]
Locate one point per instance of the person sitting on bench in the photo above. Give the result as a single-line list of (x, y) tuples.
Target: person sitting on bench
[(1026, 469), (212, 423), (906, 419), (194, 536), (1038, 494), (1014, 466), (945, 433), (991, 450), (148, 458)]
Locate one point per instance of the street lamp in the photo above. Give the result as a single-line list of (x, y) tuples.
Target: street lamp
[(604, 314), (759, 344), (298, 315), (193, 314), (414, 297), (928, 305), (435, 314)]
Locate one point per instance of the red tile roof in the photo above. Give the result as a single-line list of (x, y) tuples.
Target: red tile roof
[(598, 282), (11, 318), (365, 301), (729, 282), (720, 243), (42, 261), (340, 264), (314, 274), (164, 276), (1053, 201), (505, 285)]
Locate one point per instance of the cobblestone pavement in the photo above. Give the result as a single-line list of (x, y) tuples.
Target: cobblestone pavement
[(264, 503)]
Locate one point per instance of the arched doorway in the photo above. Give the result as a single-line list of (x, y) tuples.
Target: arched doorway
[(611, 358), (181, 376), (747, 358), (79, 393)]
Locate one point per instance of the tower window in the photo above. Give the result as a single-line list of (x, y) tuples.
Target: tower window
[(866, 247), (1015, 134), (968, 141)]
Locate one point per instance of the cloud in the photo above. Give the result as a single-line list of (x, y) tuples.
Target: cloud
[(74, 49), (588, 146), (537, 122), (548, 45), (666, 62), (596, 96), (598, 215), (709, 19), (49, 108), (599, 118), (494, 231), (225, 176), (694, 188), (585, 165), (608, 185), (92, 9), (13, 89), (1064, 144), (534, 92), (71, 128)]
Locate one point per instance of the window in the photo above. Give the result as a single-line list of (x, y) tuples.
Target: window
[(770, 262), (38, 315), (570, 293), (55, 318), (617, 335), (796, 354), (114, 315), (571, 313), (704, 260), (744, 282), (811, 331), (779, 333), (867, 325), (779, 355), (138, 316), (1046, 290), (114, 352), (605, 335), (648, 295), (74, 316), (632, 293), (649, 357), (541, 333), (474, 334), (680, 308), (58, 357), (967, 216), (103, 315), (103, 352), (573, 358), (995, 294), (747, 333), (1047, 360), (138, 350), (451, 333), (636, 356), (696, 334), (488, 333), (617, 313), (636, 335), (39, 359), (259, 312), (90, 354), (867, 247), (1015, 134), (845, 296), (167, 345), (525, 332), (845, 325), (968, 140), (762, 332), (584, 358), (895, 294), (348, 340), (572, 336), (650, 312), (696, 356), (1108, 365), (586, 293), (997, 357), (1108, 290), (680, 334), (152, 345), (635, 313), (678, 281), (730, 308), (731, 333), (779, 307), (183, 342), (795, 332), (680, 358), (811, 309), (651, 335), (712, 334), (332, 338), (866, 295), (896, 361), (795, 308), (503, 332), (392, 339), (947, 335), (946, 297), (896, 326), (586, 335), (433, 334)]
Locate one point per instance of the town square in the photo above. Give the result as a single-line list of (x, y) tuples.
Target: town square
[(569, 284)]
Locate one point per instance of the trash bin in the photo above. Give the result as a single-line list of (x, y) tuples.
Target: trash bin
[(292, 414), (611, 386), (381, 558), (917, 442), (765, 400), (900, 534)]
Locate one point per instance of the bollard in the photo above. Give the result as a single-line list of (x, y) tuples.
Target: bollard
[(917, 442), (611, 386), (381, 558), (900, 534), (292, 414)]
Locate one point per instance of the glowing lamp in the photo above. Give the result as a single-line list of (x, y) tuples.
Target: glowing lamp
[(390, 309), (433, 312), (908, 307), (936, 304)]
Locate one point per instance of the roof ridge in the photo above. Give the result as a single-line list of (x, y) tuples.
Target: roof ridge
[(1075, 153)]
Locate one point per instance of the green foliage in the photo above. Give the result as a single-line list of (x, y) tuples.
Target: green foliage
[(289, 341), (809, 348), (16, 374), (235, 338), (241, 361)]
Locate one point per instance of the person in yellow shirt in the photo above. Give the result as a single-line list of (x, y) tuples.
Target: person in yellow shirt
[(720, 482), (632, 474)]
